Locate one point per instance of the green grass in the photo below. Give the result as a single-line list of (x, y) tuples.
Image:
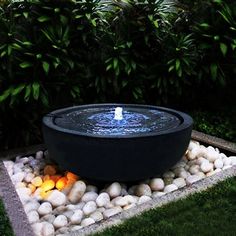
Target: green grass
[(212, 212), (5, 227)]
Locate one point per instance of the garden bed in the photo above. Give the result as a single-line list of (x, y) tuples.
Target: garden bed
[(23, 227)]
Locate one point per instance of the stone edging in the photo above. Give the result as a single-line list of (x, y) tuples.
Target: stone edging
[(13, 205)]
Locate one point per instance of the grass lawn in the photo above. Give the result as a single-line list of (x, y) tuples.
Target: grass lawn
[(212, 212), (5, 228)]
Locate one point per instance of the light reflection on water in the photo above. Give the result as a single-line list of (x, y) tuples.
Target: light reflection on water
[(101, 122)]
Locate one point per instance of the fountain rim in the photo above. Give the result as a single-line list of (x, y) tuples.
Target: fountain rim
[(48, 120)]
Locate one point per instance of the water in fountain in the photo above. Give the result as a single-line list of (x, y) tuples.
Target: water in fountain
[(117, 121)]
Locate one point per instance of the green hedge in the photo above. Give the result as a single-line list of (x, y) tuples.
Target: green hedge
[(59, 53)]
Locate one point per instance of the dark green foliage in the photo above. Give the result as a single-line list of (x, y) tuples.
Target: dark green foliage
[(221, 123), (211, 212), (5, 227), (63, 52)]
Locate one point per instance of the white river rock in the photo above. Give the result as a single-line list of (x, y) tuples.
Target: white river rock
[(45, 208), (77, 191), (33, 217), (157, 184), (179, 182), (56, 198), (103, 199), (77, 217), (89, 207), (143, 199), (114, 190), (170, 188), (143, 189), (48, 229), (60, 221), (89, 196)]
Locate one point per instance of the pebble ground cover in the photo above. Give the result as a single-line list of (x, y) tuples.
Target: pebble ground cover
[(211, 212), (59, 202)]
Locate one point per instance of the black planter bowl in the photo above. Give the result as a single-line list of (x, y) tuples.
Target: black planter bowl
[(105, 157)]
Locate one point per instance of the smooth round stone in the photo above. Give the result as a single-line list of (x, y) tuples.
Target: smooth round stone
[(49, 218), (179, 182), (72, 207), (89, 196), (113, 201), (183, 174), (193, 153), (144, 199), (80, 205), (23, 192), (169, 174), (20, 185), (233, 160), (39, 155), (170, 188), (18, 177), (28, 177), (89, 207), (101, 209), (200, 160), (158, 194), (157, 184), (48, 229), (103, 199), (37, 228), (212, 155), (37, 181), (217, 170), (91, 188), (206, 167), (192, 145), (31, 206), (45, 208), (8, 164), (97, 216), (194, 169), (77, 191), (56, 198), (113, 211), (218, 164), (180, 164), (33, 217), (109, 205), (143, 189), (87, 222), (37, 194), (76, 217), (60, 221), (192, 179), (201, 175), (114, 190)]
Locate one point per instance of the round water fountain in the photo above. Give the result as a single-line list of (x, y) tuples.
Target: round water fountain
[(109, 142)]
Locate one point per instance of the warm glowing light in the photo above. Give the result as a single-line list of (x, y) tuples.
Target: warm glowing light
[(71, 176), (61, 183), (46, 177), (55, 178), (32, 188), (48, 185), (44, 194), (49, 170)]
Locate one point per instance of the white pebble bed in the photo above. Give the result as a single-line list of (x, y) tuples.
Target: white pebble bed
[(79, 204)]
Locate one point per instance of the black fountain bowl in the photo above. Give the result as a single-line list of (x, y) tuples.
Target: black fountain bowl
[(116, 158)]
